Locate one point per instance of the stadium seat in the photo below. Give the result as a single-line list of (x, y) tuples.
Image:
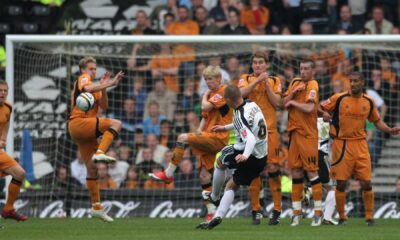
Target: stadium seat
[(5, 28), (14, 10), (30, 28), (41, 11)]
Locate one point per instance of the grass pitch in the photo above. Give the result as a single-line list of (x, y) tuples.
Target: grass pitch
[(177, 229)]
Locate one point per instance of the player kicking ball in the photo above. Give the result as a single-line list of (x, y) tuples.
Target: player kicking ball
[(247, 157)]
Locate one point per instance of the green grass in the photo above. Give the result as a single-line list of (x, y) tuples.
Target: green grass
[(176, 229)]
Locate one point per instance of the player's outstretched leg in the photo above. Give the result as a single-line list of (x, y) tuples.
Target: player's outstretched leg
[(108, 137)]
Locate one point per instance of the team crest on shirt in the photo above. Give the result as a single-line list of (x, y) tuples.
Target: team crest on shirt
[(216, 97), (244, 132), (313, 93), (84, 80)]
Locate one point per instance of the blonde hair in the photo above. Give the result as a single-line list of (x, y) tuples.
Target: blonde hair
[(84, 62), (212, 71)]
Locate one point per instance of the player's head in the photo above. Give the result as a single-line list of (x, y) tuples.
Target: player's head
[(259, 62), (232, 96), (356, 83), (212, 75), (88, 65), (306, 69), (3, 91)]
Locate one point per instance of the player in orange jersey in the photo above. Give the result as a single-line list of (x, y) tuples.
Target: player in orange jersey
[(348, 113), (205, 143), (8, 166), (301, 100), (85, 127), (265, 91)]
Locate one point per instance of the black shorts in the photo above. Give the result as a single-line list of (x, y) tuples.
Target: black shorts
[(244, 172), (324, 167)]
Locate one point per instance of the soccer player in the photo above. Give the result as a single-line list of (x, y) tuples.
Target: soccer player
[(84, 128), (8, 166), (323, 173), (348, 113), (301, 100), (265, 91), (204, 143), (247, 157)]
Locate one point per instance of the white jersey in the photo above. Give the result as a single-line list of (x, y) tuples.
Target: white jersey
[(251, 131), (323, 135)]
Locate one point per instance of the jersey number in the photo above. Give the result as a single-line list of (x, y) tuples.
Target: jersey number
[(262, 132)]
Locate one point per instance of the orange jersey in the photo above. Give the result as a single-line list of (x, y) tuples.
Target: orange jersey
[(345, 80), (184, 52), (248, 18), (165, 62), (221, 114), (83, 80), (304, 123), (259, 96), (107, 184), (349, 115), (5, 114)]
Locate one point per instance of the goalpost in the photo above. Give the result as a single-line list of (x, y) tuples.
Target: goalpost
[(41, 69)]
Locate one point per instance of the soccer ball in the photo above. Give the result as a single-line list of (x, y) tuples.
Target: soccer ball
[(85, 101)]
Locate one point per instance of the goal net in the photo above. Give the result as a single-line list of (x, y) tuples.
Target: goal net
[(42, 70)]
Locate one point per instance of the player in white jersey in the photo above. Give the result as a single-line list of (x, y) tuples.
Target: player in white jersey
[(323, 172), (247, 157)]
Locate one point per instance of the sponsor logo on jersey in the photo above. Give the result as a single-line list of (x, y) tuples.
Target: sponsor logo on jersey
[(241, 81), (313, 93)]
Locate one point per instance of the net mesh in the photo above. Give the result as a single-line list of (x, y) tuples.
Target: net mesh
[(44, 74)]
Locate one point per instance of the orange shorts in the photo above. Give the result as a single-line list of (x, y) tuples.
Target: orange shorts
[(6, 162), (85, 131), (206, 145), (350, 157), (273, 147), (303, 152)]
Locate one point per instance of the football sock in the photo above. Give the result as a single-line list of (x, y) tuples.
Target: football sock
[(254, 191), (94, 190), (340, 202), (217, 183), (226, 202), (329, 204), (317, 195), (297, 192), (107, 139), (368, 198), (275, 187), (13, 191)]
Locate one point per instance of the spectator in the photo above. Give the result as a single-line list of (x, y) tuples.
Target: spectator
[(165, 65), (139, 94), (165, 99), (179, 124), (255, 17), (323, 78), (129, 119), (159, 14), (169, 18), (167, 138), (189, 99), (345, 21), (220, 13), (61, 181), (387, 72), (138, 141), (142, 24), (233, 27), (206, 26), (185, 53), (344, 69), (132, 179), (358, 10), (337, 86), (379, 25), (157, 150), (151, 124), (105, 181), (398, 185), (78, 169), (145, 167), (117, 171), (383, 89), (306, 29), (186, 177), (292, 15)]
